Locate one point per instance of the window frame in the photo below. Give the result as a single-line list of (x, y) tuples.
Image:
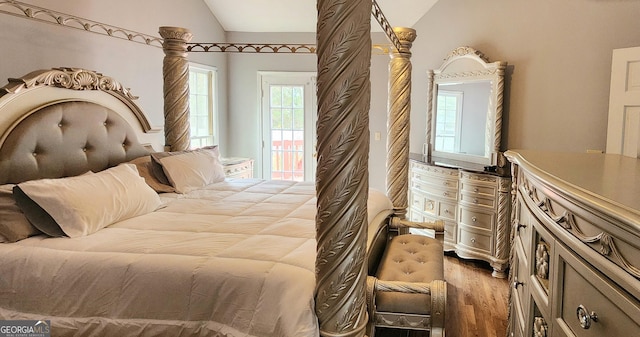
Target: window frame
[(212, 76)]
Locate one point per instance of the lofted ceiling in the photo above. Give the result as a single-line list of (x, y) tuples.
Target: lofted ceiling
[(300, 15)]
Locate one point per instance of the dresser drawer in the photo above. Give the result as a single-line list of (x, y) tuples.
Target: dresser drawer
[(447, 211), (585, 291), (476, 200), (423, 203), (472, 217), (440, 193), (474, 239), (241, 168), (520, 299), (478, 189), (434, 175), (524, 225), (435, 180)]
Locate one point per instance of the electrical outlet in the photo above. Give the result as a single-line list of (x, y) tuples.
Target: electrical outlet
[(376, 135)]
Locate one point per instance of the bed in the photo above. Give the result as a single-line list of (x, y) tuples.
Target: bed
[(330, 255), (234, 258)]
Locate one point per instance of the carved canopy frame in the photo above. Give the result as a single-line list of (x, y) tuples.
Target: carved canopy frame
[(342, 179), (344, 50)]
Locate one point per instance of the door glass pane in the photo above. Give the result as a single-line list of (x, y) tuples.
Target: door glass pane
[(287, 132)]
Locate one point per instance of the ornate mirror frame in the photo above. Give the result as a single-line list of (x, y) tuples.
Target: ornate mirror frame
[(467, 65)]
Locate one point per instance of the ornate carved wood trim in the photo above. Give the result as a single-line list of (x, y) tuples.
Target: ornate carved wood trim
[(398, 123), (342, 179), (28, 11), (175, 70), (603, 242), (391, 33), (78, 79)]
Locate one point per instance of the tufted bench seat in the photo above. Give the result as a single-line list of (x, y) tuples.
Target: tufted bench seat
[(408, 290)]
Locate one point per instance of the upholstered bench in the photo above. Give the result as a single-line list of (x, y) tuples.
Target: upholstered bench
[(408, 290)]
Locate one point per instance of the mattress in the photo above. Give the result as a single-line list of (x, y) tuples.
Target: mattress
[(235, 258)]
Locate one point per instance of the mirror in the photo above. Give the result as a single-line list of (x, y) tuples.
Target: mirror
[(465, 108)]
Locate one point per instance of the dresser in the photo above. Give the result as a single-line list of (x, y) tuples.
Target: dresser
[(575, 263), (473, 204), (237, 167)]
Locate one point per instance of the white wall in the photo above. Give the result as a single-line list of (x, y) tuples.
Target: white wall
[(29, 45), (559, 55)]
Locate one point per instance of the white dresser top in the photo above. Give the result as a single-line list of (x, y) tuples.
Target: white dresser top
[(610, 181)]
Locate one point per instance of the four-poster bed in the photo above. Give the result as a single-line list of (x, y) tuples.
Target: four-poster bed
[(342, 194)]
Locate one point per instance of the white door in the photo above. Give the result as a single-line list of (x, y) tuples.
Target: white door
[(288, 119), (623, 130)]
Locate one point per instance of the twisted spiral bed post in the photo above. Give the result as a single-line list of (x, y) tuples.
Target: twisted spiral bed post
[(342, 179), (398, 121), (175, 70)]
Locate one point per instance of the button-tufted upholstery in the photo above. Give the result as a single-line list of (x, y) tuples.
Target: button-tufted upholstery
[(67, 139), (410, 258)]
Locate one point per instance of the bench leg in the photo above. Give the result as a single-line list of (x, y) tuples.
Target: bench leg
[(438, 307)]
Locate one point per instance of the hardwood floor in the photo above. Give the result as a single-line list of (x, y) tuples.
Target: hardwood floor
[(476, 302)]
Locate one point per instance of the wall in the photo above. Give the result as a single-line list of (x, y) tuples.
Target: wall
[(244, 110), (29, 45), (559, 55)]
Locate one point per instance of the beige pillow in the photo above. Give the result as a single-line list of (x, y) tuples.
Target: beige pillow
[(84, 204), (144, 166), (190, 170), (14, 226)]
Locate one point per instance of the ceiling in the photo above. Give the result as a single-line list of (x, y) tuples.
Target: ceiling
[(300, 15)]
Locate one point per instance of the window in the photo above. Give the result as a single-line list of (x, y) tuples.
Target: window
[(449, 114), (202, 105)]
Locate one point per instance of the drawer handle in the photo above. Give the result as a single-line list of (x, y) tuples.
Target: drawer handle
[(520, 226), (445, 183), (475, 201), (475, 189), (585, 317), (446, 211), (473, 240), (474, 219), (517, 283), (446, 194)]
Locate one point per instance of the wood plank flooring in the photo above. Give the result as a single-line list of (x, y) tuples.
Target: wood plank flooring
[(476, 302)]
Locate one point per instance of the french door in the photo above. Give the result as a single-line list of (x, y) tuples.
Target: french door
[(288, 119)]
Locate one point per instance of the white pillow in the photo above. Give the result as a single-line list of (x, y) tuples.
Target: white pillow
[(192, 170), (84, 204)]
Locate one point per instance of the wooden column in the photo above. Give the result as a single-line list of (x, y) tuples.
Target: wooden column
[(342, 178), (398, 120), (175, 70)]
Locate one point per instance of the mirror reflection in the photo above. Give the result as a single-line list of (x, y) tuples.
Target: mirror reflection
[(461, 115), (465, 109)]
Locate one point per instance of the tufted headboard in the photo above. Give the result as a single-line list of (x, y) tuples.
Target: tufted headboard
[(81, 125)]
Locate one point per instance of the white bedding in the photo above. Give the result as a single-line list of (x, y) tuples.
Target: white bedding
[(213, 262)]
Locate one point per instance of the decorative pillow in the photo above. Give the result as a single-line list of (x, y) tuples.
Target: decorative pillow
[(36, 215), (144, 166), (190, 170), (84, 204), (14, 226)]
